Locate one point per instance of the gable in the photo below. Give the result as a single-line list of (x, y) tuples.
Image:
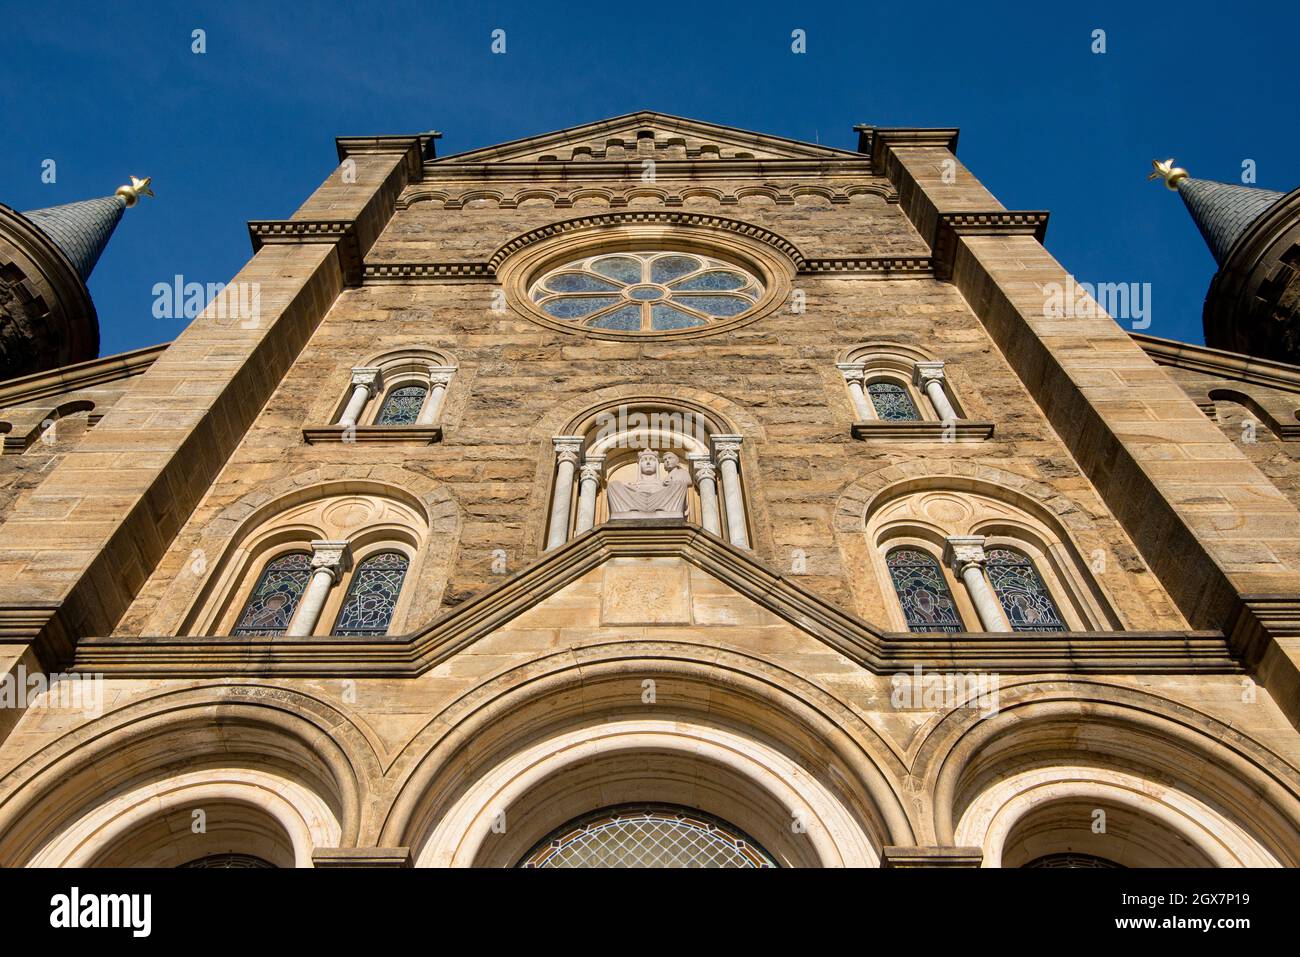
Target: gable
[(646, 135)]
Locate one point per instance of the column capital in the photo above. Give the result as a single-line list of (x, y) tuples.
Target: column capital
[(727, 447), (705, 470), (592, 469), (333, 557), (439, 377), (852, 371), (961, 551), (924, 372), (369, 376), (567, 447)]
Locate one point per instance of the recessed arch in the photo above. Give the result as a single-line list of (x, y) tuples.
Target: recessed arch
[(1090, 724), (758, 718), (241, 734)]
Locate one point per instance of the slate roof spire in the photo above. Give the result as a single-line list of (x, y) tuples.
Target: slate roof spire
[(83, 229), (1221, 211)]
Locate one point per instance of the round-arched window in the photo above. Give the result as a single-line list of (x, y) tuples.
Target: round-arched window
[(648, 835), (646, 291)]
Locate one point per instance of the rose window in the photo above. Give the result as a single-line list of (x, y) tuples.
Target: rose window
[(646, 292)]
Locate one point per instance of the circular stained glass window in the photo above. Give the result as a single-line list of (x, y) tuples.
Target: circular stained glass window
[(646, 291)]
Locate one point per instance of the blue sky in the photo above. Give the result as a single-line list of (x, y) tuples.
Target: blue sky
[(245, 130)]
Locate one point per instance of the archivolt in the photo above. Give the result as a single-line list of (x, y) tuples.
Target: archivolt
[(1041, 724), (559, 695), (262, 728)]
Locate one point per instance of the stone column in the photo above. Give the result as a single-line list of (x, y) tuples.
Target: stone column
[(929, 377), (329, 560), (439, 380), (365, 383), (706, 481), (727, 448), (965, 554), (854, 373), (588, 486), (567, 448)]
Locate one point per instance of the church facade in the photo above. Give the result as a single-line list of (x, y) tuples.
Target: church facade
[(648, 493)]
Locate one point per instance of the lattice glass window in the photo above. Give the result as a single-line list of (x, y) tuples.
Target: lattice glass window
[(923, 591), (646, 291), (648, 836), (892, 402), (1019, 587), (402, 405), (1073, 861), (372, 596), (229, 862), (275, 597)]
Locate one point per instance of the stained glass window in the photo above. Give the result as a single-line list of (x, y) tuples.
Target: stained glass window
[(372, 596), (1024, 597), (892, 402), (274, 599), (923, 591), (646, 291), (648, 836), (402, 406)]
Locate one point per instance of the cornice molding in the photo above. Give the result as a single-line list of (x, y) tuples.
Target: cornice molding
[(884, 267), (878, 652), (960, 430), (417, 149), (1220, 362), (995, 222), (341, 233), (876, 141), (868, 267), (393, 434), (427, 272), (79, 375), (632, 170)]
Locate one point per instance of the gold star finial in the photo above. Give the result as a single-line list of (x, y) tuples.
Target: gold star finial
[(139, 187), (1168, 172)]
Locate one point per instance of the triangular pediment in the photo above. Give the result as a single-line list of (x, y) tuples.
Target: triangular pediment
[(646, 134)]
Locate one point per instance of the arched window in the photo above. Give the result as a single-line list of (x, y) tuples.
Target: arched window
[(372, 596), (1025, 599), (275, 597), (402, 406), (648, 836), (646, 291), (923, 591), (892, 402)]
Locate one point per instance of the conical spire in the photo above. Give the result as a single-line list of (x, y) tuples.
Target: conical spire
[(1221, 211), (83, 229)]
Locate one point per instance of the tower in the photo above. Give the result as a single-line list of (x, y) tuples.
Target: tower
[(649, 491), (47, 318), (1253, 303)]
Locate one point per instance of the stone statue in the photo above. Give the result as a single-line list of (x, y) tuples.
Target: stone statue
[(651, 496)]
